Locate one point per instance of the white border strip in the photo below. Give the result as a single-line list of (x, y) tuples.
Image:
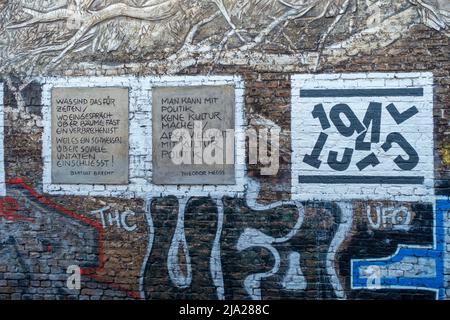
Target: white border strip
[(2, 146), (140, 137)]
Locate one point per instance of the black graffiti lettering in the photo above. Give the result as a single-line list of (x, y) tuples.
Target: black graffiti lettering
[(401, 117), (402, 163), (319, 112), (371, 124), (372, 117), (340, 165), (370, 160), (355, 124), (313, 158)]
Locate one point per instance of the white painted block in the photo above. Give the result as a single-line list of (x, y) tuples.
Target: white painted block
[(400, 147)]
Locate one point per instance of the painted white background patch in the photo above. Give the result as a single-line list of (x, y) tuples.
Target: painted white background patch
[(361, 136)]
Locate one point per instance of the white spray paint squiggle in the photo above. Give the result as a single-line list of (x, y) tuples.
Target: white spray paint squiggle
[(294, 279), (252, 238), (215, 260), (151, 238), (179, 278), (345, 226)]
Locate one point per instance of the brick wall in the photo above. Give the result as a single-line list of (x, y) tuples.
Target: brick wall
[(266, 238)]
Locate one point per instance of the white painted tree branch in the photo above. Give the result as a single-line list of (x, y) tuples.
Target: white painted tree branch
[(275, 23), (42, 17), (435, 17), (380, 36), (224, 12), (390, 30), (207, 51), (194, 30), (330, 29), (156, 12), (17, 91)]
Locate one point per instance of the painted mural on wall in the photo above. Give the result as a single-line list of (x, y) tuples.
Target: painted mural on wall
[(386, 243), (302, 250), (186, 33)]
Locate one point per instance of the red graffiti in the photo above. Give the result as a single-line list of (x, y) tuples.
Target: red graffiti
[(9, 206)]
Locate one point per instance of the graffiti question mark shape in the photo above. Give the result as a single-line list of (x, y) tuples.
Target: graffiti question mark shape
[(402, 163), (252, 238)]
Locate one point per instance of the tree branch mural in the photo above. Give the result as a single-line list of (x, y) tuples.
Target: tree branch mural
[(435, 14), (207, 31)]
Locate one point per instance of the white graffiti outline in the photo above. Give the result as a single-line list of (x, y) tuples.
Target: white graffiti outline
[(254, 238), (151, 238), (344, 228), (294, 279), (215, 261)]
